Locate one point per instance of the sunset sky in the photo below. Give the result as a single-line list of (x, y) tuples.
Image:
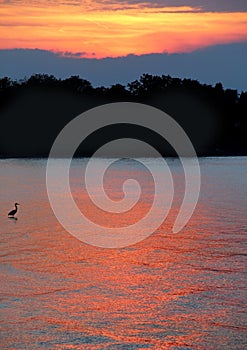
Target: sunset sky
[(115, 28), (98, 28)]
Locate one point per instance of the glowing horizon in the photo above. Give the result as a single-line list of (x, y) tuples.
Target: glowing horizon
[(98, 29)]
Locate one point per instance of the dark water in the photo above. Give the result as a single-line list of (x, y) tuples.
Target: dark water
[(169, 291)]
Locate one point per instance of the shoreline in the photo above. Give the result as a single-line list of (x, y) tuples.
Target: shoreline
[(124, 158)]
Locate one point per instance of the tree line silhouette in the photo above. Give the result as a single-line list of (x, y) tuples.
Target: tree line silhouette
[(34, 110)]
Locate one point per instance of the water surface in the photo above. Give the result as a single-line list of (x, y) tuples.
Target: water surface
[(170, 291)]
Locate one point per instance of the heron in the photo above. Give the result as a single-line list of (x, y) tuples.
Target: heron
[(14, 211)]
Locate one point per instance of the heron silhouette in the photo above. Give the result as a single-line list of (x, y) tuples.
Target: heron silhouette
[(14, 211)]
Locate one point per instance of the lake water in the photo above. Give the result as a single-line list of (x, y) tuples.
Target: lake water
[(169, 291)]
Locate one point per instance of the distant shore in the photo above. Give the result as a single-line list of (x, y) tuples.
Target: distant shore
[(219, 155), (34, 111)]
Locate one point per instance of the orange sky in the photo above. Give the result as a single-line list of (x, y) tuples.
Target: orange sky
[(99, 30)]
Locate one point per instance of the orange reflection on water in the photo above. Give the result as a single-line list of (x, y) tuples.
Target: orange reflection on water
[(166, 292)]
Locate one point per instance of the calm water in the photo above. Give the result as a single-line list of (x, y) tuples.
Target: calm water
[(170, 291)]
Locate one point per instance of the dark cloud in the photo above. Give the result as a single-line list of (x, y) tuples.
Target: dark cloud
[(204, 5), (72, 54), (224, 63)]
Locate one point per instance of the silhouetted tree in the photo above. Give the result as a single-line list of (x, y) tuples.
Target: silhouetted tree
[(41, 80), (5, 83), (41, 105), (76, 83)]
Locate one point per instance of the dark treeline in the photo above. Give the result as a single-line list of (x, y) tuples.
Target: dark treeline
[(34, 110)]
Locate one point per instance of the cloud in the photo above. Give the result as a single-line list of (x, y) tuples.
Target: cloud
[(203, 5), (72, 54), (117, 33), (224, 63)]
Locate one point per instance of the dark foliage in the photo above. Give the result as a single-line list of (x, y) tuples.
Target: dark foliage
[(34, 110)]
